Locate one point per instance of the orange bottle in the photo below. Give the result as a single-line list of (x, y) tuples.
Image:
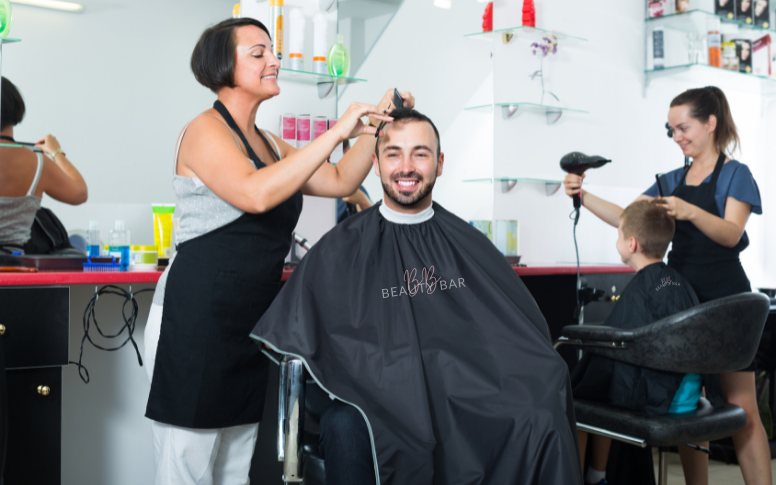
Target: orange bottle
[(715, 43)]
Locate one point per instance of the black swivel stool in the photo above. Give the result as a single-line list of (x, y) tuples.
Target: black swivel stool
[(715, 337)]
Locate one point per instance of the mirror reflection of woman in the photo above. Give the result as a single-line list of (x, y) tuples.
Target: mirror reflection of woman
[(25, 175), (711, 203), (239, 195)]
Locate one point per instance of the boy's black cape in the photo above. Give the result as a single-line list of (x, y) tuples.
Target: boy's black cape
[(430, 333)]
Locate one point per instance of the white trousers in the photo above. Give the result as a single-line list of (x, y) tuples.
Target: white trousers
[(185, 456)]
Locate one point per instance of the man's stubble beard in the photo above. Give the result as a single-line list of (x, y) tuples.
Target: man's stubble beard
[(410, 200)]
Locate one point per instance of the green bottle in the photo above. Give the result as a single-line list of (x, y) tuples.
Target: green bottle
[(339, 58), (5, 17)]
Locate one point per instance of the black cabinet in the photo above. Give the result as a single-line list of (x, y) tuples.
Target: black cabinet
[(37, 326), (34, 329), (34, 426)]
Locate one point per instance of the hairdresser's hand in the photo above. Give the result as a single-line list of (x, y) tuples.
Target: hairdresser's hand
[(386, 103), (677, 208), (573, 184), (48, 144), (350, 125), (359, 199)]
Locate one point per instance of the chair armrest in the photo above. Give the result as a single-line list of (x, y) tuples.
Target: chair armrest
[(291, 418), (598, 333)]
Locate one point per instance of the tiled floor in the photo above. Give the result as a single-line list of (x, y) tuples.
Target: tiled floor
[(719, 473)]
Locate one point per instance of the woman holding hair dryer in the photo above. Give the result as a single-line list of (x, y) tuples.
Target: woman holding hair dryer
[(711, 202), (239, 192)]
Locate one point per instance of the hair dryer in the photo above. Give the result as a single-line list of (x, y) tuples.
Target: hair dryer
[(577, 163)]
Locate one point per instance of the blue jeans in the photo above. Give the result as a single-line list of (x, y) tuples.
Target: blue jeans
[(345, 446)]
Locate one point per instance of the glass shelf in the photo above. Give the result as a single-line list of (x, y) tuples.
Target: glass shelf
[(508, 183), (694, 22), (523, 104), (524, 32), (315, 78), (768, 81), (8, 40)]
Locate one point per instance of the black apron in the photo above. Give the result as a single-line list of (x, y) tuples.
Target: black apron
[(713, 270), (208, 372)]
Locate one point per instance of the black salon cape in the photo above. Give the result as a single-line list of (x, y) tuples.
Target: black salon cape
[(656, 292), (459, 383)]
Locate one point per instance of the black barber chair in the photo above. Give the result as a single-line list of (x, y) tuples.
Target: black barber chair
[(717, 336), (300, 407)]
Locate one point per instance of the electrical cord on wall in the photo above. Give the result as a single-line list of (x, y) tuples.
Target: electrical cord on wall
[(129, 324)]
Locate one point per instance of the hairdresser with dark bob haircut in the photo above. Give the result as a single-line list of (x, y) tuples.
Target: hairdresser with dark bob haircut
[(239, 195), (711, 202)]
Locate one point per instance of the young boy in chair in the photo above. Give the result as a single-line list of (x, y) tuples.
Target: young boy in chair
[(656, 292)]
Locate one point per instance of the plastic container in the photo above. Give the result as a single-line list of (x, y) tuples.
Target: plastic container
[(339, 58), (112, 267), (485, 227), (288, 129), (505, 237), (119, 244), (163, 214), (320, 126), (296, 40), (714, 41), (143, 255), (145, 268), (93, 239), (276, 26), (320, 43), (6, 14), (303, 132)]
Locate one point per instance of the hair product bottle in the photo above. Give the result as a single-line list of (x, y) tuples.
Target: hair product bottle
[(320, 43), (715, 43), (276, 26), (339, 58), (5, 17), (296, 40)]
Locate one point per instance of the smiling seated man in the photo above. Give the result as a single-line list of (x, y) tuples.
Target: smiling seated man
[(438, 359)]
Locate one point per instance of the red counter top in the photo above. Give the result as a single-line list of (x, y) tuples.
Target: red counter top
[(539, 269), (67, 278)]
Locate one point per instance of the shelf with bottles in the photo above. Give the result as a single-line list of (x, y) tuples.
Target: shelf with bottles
[(525, 32), (325, 82), (695, 21), (8, 40), (768, 83), (553, 113), (509, 183), (309, 77)]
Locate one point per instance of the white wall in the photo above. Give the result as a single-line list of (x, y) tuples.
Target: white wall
[(428, 54)]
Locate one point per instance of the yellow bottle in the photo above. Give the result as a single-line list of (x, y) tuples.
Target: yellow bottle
[(276, 27)]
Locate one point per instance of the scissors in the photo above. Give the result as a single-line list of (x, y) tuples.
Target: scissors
[(398, 102)]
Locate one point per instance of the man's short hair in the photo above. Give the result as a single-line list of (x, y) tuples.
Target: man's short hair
[(213, 59), (11, 105), (650, 224), (405, 115)]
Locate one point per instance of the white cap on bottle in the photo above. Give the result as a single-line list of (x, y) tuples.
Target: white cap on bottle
[(119, 225), (93, 226)]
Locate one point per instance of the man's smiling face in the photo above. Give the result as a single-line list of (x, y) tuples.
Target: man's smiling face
[(408, 165)]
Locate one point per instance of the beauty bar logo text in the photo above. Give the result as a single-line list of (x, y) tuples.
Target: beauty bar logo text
[(667, 282), (428, 284)]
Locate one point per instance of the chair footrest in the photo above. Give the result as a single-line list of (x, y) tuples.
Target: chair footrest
[(703, 424)]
